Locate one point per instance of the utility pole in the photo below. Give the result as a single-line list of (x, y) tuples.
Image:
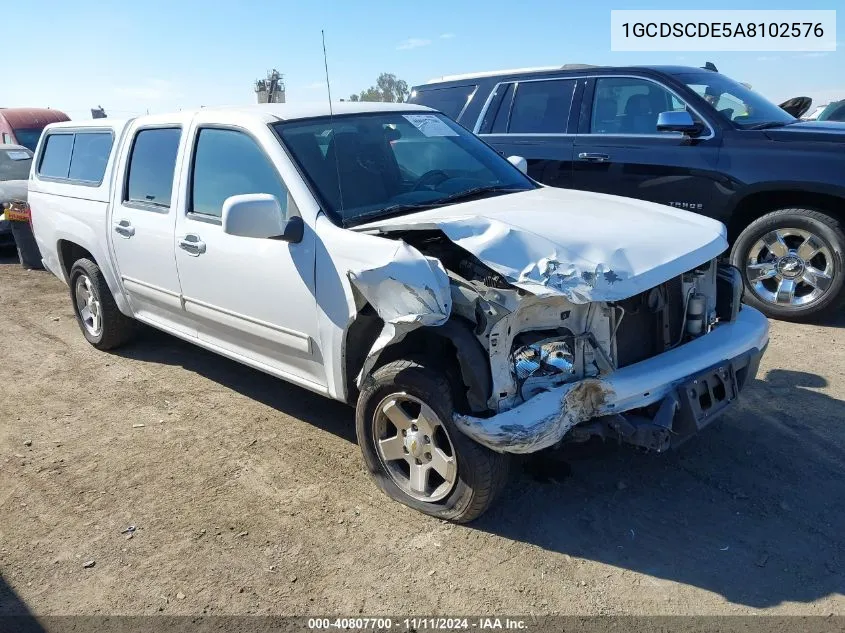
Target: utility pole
[(271, 89)]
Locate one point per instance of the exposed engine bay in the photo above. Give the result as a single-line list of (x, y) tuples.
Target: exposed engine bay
[(538, 343)]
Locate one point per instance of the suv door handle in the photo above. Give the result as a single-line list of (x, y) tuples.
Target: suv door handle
[(594, 158), (124, 228), (192, 244)]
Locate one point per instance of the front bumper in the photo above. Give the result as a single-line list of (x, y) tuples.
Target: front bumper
[(656, 403)]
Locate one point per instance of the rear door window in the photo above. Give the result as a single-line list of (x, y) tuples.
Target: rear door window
[(151, 166), (55, 159), (542, 107), (450, 101)]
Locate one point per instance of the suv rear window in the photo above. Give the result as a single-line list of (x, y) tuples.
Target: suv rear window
[(78, 156), (450, 101)]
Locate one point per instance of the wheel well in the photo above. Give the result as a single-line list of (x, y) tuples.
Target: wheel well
[(451, 348), (759, 204), (69, 253)]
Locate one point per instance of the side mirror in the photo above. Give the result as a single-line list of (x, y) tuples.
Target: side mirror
[(678, 121), (260, 215), (520, 163)]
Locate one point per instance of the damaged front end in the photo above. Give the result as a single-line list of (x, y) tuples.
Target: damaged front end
[(578, 351), (650, 370)]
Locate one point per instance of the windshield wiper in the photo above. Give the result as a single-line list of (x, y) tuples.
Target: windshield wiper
[(475, 191), (396, 209)]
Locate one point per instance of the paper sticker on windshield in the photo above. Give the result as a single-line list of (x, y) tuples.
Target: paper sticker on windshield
[(17, 154), (430, 125)]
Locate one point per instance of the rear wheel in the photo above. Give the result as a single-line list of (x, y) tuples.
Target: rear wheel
[(792, 263), (101, 321), (413, 450)]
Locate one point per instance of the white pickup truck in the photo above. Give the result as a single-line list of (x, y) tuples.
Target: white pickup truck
[(382, 255)]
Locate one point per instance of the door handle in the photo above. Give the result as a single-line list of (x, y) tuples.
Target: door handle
[(124, 228), (594, 158), (192, 244)]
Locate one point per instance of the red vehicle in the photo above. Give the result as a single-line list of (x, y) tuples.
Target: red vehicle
[(23, 126)]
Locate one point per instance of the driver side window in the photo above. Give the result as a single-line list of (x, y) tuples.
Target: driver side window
[(230, 163), (629, 105)]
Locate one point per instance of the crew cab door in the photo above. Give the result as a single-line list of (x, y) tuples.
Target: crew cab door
[(142, 221), (249, 298), (619, 151), (535, 119)]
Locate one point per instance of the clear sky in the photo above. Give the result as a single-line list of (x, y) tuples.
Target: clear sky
[(161, 55)]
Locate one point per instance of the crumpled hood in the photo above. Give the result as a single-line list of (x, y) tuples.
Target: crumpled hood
[(585, 246)]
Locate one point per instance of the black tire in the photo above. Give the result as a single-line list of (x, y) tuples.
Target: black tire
[(821, 225), (116, 328), (481, 473)]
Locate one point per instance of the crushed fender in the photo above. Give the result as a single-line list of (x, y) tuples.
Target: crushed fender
[(409, 291), (552, 415)]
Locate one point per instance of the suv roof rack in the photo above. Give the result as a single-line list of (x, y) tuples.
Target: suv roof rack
[(512, 71)]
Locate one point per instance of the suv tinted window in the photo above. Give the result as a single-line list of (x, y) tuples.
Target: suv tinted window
[(627, 105), (229, 163), (151, 166), (55, 159), (541, 107), (90, 156), (450, 101)]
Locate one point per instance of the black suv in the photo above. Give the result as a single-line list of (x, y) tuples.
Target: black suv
[(686, 137)]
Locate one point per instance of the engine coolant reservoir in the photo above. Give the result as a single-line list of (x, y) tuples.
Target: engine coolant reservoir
[(695, 314)]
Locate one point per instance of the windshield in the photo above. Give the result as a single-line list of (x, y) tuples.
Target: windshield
[(376, 164), (14, 163), (735, 102), (28, 137)]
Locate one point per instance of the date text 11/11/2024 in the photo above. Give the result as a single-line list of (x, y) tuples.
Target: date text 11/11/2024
[(418, 624)]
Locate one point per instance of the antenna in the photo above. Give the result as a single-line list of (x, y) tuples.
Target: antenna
[(326, 64), (331, 119)]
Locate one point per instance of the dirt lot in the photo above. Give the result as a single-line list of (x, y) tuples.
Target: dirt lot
[(250, 495)]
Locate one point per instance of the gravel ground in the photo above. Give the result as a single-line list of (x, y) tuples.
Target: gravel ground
[(250, 495)]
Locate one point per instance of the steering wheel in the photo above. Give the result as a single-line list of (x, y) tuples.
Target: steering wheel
[(431, 179)]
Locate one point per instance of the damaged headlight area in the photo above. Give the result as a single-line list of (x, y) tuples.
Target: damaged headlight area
[(539, 362)]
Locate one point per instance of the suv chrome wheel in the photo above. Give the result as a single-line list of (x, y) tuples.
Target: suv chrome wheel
[(414, 447), (88, 305), (790, 267)]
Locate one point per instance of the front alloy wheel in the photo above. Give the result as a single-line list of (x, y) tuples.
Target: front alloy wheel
[(414, 446), (413, 450)]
